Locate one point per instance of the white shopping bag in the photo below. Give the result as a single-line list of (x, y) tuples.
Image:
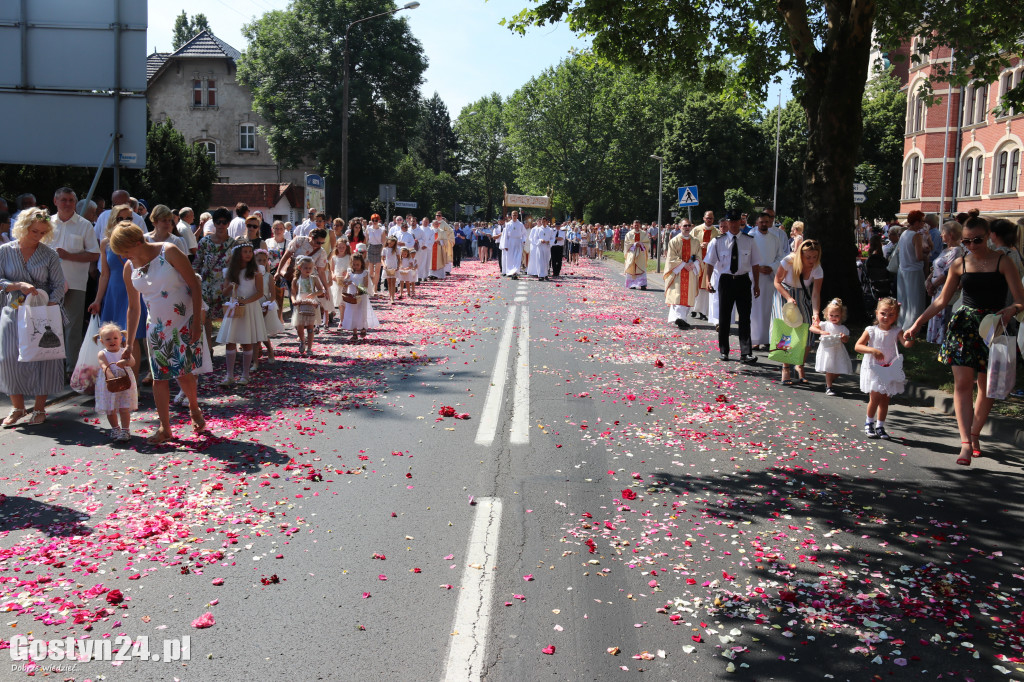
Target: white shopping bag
[(40, 333), (1002, 365)]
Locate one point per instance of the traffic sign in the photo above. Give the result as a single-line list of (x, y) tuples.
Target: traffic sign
[(859, 197), (688, 196), (387, 193), (860, 188), (405, 204)]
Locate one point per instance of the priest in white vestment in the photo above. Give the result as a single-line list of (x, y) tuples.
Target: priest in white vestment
[(511, 246), (773, 246), (541, 239), (425, 243)]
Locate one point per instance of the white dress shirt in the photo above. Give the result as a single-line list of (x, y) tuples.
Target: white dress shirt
[(74, 236), (720, 254)]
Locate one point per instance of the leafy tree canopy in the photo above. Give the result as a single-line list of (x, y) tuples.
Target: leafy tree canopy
[(185, 28)]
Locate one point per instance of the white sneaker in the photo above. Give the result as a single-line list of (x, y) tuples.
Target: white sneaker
[(244, 381), (125, 436), (115, 434), (227, 381)]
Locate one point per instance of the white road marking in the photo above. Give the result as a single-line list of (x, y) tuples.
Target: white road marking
[(521, 395), (473, 611), (520, 299), (495, 392)]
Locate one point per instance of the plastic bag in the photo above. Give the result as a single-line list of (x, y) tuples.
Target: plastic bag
[(788, 344), (83, 378), (1002, 367)]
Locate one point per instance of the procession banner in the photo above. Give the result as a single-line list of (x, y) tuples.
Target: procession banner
[(527, 201), (315, 192)]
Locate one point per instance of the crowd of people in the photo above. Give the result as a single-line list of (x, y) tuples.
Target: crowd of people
[(163, 278), (760, 276)]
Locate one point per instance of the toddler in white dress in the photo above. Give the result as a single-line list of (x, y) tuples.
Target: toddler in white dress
[(881, 371), (113, 342), (831, 356)]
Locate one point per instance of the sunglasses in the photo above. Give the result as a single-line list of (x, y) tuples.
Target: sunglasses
[(221, 222), (318, 242), (975, 241)]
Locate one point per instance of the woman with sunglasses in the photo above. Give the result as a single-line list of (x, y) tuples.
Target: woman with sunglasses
[(210, 262), (986, 277)]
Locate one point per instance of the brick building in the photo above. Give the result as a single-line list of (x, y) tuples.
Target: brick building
[(959, 153)]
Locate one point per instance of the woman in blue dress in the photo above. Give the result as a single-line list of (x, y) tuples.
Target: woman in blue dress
[(111, 302)]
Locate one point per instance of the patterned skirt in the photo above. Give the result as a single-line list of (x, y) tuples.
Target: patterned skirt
[(963, 345), (373, 252)]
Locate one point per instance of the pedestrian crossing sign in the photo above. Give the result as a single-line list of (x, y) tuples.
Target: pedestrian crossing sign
[(688, 196)]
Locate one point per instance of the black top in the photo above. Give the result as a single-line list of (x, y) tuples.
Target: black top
[(984, 290)]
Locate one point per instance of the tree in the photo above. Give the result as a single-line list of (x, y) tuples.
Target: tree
[(560, 129), (186, 29), (792, 152), (881, 147), (293, 66), (826, 43), (176, 173), (715, 146), (486, 160), (431, 191), (435, 144)]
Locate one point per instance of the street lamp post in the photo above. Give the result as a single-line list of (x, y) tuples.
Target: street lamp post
[(657, 244), (344, 105)]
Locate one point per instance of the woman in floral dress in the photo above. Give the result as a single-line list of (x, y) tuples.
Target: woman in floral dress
[(211, 259), (162, 274)]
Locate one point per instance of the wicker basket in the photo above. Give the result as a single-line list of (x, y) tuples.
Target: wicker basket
[(117, 384)]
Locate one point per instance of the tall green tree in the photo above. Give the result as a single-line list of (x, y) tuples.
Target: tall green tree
[(486, 161), (559, 127), (881, 148), (435, 144), (712, 144), (792, 139), (185, 28), (176, 173), (293, 66), (826, 43)]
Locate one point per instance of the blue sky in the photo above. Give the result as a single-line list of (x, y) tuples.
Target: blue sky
[(470, 55)]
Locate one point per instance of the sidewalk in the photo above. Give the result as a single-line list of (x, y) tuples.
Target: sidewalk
[(998, 427)]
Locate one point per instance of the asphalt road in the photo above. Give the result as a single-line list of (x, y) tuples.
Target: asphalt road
[(614, 488)]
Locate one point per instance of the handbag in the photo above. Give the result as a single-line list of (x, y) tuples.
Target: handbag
[(894, 260), (116, 384), (40, 331), (235, 309), (788, 342)]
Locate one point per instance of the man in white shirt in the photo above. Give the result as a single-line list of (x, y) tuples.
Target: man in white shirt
[(558, 249), (511, 245), (734, 256), (75, 242), (237, 229), (773, 248), (496, 231), (118, 197), (185, 230), (306, 226)]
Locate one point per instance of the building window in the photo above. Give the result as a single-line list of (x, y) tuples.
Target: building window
[(211, 93), (981, 103), (1005, 85), (197, 93), (210, 148), (965, 188), (1014, 170), (979, 166), (204, 92), (1002, 166), (912, 178), (247, 137)]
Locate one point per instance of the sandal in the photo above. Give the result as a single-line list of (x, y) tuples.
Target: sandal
[(14, 416), (37, 417), (964, 459), (787, 382), (976, 450)]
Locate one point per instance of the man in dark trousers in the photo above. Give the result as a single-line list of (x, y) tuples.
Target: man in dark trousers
[(734, 255), (558, 250)]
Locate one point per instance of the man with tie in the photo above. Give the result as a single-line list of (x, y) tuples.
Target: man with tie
[(558, 250), (734, 256)]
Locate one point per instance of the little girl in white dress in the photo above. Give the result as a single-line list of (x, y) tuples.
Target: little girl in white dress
[(113, 342), (831, 357), (359, 316), (881, 371), (340, 258)]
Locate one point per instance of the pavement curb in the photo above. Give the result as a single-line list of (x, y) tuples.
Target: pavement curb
[(998, 427)]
